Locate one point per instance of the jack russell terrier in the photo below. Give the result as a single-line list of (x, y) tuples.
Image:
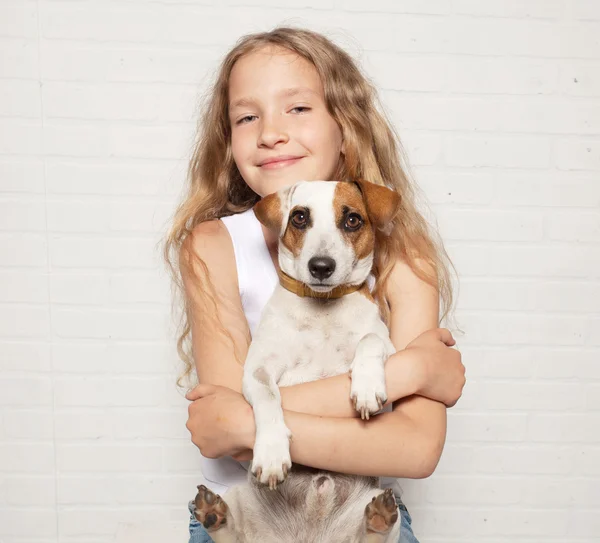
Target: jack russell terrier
[(320, 321)]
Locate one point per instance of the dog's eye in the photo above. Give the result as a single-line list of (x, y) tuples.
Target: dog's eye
[(353, 222), (300, 218)]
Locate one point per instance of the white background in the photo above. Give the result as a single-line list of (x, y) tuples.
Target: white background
[(498, 103)]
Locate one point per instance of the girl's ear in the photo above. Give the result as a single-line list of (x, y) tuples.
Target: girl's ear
[(269, 211), (382, 203)]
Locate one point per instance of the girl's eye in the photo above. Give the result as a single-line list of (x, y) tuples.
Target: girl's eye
[(300, 218), (243, 119), (353, 222), (303, 108)]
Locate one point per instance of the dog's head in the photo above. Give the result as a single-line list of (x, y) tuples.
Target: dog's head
[(327, 229)]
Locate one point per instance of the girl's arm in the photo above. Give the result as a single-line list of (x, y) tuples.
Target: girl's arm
[(390, 444), (330, 397)]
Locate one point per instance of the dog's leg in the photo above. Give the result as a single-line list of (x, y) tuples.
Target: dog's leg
[(271, 460), (381, 515), (368, 375), (214, 514)]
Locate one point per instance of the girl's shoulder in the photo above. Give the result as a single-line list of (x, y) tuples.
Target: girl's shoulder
[(211, 243), (210, 237), (208, 228), (215, 231)]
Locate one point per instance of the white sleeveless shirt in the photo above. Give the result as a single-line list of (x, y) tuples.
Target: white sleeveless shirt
[(257, 279)]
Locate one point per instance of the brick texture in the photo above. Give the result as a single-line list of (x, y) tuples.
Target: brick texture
[(498, 105)]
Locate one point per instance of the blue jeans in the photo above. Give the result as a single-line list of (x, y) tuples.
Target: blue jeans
[(199, 535)]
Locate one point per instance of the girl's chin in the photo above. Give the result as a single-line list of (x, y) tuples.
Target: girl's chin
[(273, 184), (281, 184)]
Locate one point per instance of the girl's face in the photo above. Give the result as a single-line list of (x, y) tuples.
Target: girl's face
[(281, 131)]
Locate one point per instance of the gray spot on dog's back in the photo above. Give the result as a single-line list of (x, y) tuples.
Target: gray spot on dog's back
[(263, 377)]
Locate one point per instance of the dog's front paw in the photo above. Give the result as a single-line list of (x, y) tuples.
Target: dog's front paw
[(368, 395), (271, 460)]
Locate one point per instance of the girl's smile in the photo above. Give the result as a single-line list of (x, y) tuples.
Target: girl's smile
[(278, 163)]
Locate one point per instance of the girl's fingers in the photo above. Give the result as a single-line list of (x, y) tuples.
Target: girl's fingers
[(446, 336), (191, 395), (199, 391)]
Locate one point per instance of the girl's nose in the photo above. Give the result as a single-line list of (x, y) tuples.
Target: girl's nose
[(273, 131)]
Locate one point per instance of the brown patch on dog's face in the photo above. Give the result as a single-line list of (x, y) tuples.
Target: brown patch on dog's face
[(299, 222), (268, 212), (352, 219), (382, 203)]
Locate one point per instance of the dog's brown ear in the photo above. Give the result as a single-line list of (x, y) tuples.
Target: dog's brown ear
[(269, 211), (382, 203)]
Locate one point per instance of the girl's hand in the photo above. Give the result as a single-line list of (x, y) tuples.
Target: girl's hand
[(440, 371), (221, 422)]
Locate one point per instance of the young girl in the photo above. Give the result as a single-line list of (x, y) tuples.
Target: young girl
[(289, 105)]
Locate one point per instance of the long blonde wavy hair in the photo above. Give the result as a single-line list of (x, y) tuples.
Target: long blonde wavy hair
[(372, 151)]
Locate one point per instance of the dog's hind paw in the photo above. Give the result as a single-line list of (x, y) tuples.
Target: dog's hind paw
[(211, 509), (381, 513)]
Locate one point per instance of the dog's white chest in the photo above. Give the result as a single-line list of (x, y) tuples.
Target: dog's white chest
[(318, 338)]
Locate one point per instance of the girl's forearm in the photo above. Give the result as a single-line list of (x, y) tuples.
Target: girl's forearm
[(390, 444), (330, 397)]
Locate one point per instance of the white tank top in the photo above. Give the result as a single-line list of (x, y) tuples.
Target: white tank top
[(257, 279), (257, 276)]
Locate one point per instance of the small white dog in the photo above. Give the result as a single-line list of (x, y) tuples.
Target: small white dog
[(320, 321)]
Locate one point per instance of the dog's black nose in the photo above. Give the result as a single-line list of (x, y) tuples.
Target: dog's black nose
[(321, 267)]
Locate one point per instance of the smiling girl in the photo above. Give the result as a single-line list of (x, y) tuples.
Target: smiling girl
[(289, 105)]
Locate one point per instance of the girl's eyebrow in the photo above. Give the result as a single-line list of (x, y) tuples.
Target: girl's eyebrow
[(285, 93)]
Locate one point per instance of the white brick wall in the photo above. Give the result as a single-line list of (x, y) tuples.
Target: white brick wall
[(498, 103)]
